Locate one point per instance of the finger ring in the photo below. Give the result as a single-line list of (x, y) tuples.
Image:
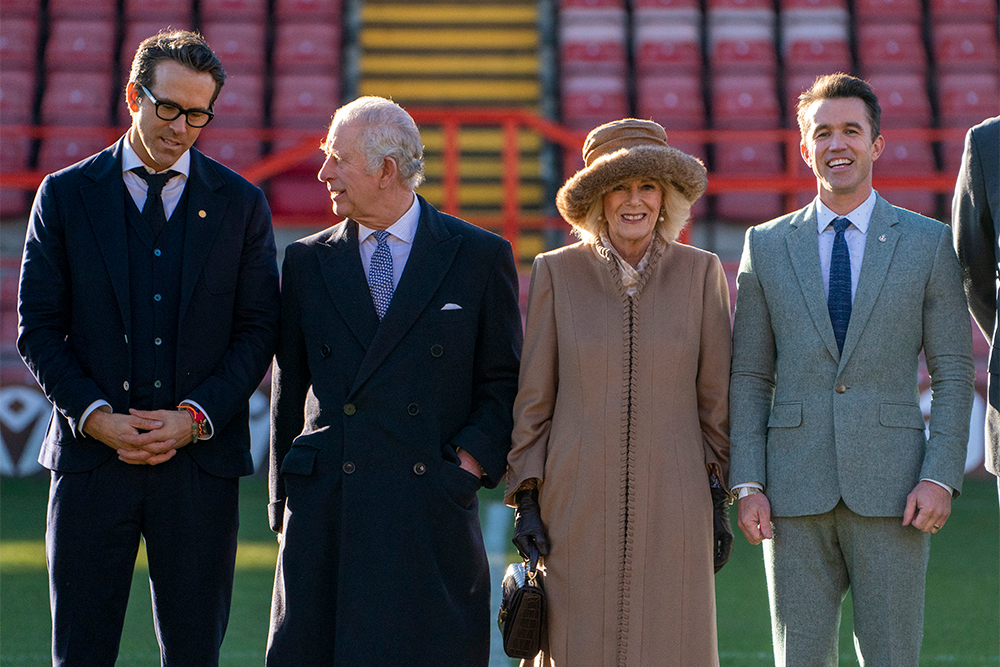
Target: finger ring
[(937, 526)]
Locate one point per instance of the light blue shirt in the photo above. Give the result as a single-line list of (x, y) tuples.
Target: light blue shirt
[(855, 236), (137, 187), (400, 241)]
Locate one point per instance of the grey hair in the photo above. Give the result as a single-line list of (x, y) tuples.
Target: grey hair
[(385, 130), (675, 213)]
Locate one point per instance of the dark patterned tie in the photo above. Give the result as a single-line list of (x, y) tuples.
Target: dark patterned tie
[(152, 210), (839, 298), (380, 273)]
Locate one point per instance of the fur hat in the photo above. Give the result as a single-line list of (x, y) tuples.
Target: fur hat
[(624, 150)]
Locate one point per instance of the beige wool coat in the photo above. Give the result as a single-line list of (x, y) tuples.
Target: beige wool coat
[(622, 401)]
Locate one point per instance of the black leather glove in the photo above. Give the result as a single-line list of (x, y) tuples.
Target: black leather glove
[(529, 533), (723, 530)]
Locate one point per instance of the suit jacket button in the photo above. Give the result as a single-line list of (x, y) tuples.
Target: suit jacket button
[(125, 385), (419, 468), (840, 389), (324, 351), (349, 409), (412, 409), (436, 350), (349, 467)]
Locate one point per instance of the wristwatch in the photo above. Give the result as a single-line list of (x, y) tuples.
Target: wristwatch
[(747, 491)]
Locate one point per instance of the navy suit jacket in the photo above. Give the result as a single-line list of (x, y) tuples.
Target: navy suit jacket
[(73, 304)]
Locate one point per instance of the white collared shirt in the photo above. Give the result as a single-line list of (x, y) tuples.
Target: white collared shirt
[(855, 236), (137, 187), (400, 241)]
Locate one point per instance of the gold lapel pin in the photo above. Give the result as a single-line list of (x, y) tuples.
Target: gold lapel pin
[(202, 214)]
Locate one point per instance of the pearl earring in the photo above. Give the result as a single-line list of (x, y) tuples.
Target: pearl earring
[(662, 211)]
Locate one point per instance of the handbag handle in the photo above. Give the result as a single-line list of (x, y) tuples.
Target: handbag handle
[(532, 562)]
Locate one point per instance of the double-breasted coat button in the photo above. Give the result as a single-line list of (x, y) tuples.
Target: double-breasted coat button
[(349, 409), (840, 389), (324, 351), (157, 341), (349, 467), (412, 409), (157, 384), (125, 385), (436, 350), (419, 468)]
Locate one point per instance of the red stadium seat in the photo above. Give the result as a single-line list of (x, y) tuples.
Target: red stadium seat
[(21, 9), (88, 10), (813, 5), (888, 11), (745, 102), (240, 46), (308, 11), (592, 41), (964, 11), (297, 195), (903, 98), (891, 48), (966, 48), (234, 153), (233, 10), (57, 153), (170, 11), (18, 43), (741, 5), (745, 48), (17, 95), (241, 102), (77, 98), (304, 101), (307, 48), (902, 158), (748, 159), (80, 45), (810, 48), (672, 101), (966, 99), (667, 44), (589, 101)]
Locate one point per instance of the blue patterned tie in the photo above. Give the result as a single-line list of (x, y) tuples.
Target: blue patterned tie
[(380, 274), (839, 298)]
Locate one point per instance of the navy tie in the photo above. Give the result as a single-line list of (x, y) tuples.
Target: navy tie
[(152, 210), (380, 273), (839, 298)]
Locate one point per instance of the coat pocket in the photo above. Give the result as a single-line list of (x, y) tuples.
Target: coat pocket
[(785, 415), (299, 461), (901, 415)]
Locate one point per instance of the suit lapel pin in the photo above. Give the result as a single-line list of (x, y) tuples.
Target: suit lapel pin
[(202, 214), (882, 238)]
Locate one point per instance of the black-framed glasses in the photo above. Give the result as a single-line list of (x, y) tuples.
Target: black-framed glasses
[(169, 111)]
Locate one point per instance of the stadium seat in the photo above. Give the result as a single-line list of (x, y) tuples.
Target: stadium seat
[(88, 10), (745, 48), (21, 9), (234, 153), (592, 40), (304, 101), (233, 10), (966, 48), (240, 46), (967, 99), (813, 5), (241, 102), (18, 43), (745, 102), (57, 152), (667, 40), (903, 98), (816, 48), (891, 48), (307, 48), (888, 11), (170, 11), (964, 11), (901, 158), (298, 195), (588, 101), (740, 13), (674, 101), (748, 159), (308, 11), (77, 98), (17, 95), (80, 46)]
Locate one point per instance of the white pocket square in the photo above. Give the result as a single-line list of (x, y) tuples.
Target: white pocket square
[(451, 306)]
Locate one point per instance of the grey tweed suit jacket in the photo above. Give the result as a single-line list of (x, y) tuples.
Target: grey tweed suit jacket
[(814, 425)]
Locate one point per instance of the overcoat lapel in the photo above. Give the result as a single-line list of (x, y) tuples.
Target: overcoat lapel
[(104, 201), (204, 215), (431, 256), (340, 263), (803, 249), (880, 244)]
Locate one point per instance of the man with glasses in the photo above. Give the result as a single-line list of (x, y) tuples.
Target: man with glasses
[(148, 311)]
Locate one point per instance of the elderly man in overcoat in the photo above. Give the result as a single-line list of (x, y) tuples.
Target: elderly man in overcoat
[(392, 399)]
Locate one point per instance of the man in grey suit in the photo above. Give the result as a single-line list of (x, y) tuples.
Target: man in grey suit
[(975, 222), (829, 453)]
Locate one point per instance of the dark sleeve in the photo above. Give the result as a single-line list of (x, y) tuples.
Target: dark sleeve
[(486, 434)]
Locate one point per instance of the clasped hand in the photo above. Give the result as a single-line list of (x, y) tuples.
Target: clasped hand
[(141, 437)]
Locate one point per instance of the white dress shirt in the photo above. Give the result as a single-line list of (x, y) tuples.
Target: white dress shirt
[(400, 241)]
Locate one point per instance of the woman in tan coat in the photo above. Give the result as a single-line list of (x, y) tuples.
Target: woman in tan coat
[(621, 414)]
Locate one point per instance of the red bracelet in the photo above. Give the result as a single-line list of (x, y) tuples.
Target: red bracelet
[(198, 422)]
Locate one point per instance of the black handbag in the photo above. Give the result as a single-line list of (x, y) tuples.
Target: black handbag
[(522, 609)]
